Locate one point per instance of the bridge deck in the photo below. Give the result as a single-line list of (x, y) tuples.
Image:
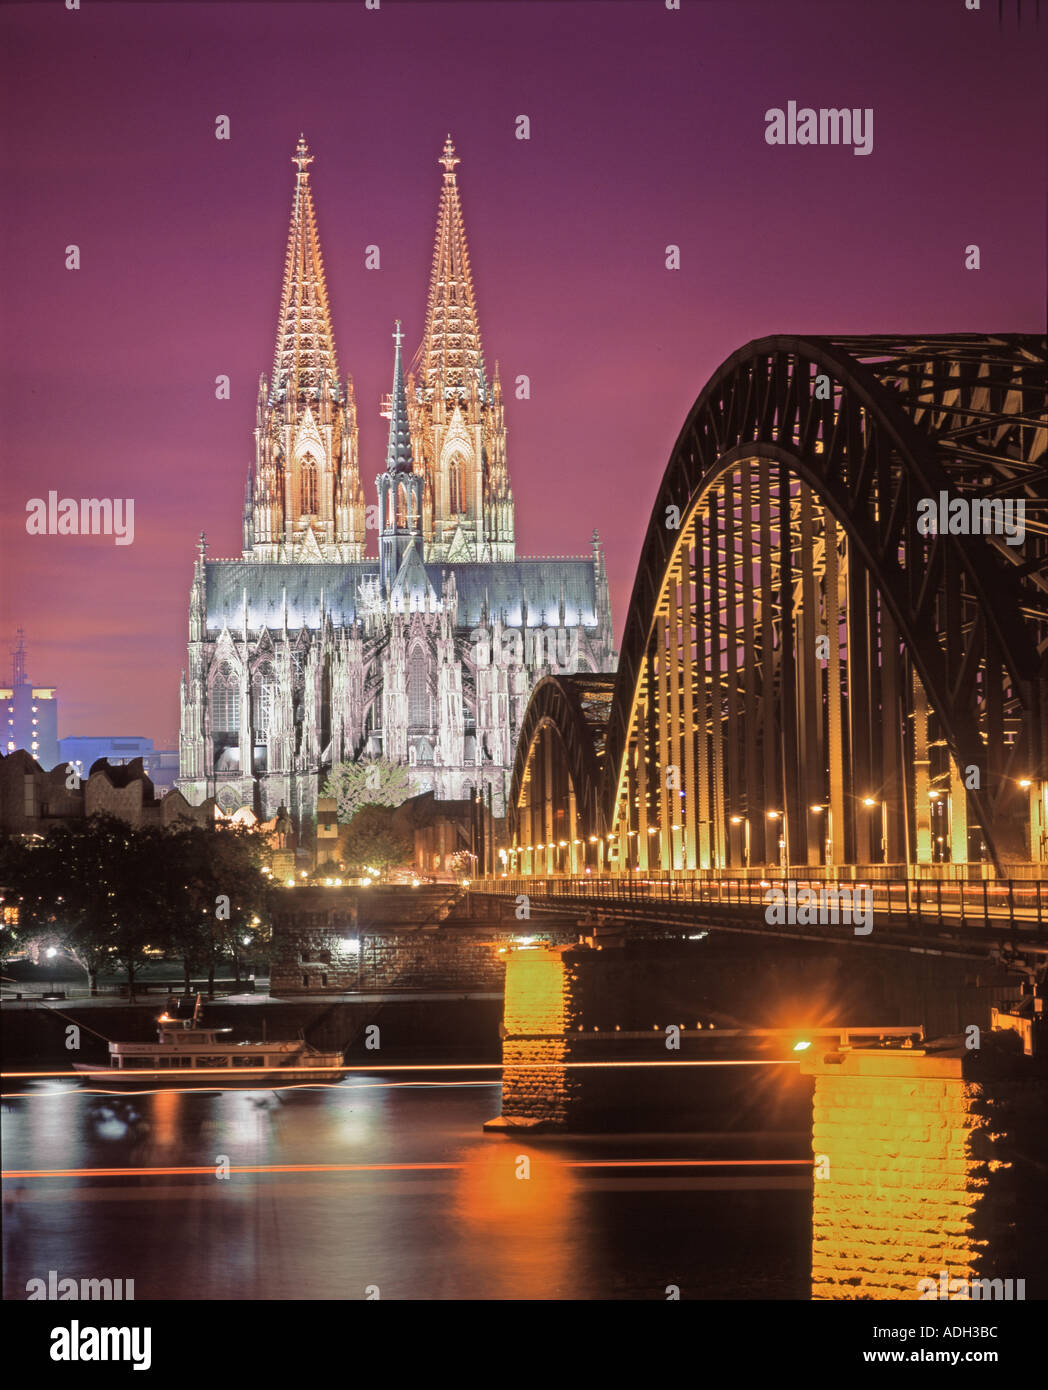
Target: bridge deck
[(944, 916)]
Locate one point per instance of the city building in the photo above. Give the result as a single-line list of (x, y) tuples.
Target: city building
[(29, 712), (33, 800), (82, 751), (305, 652)]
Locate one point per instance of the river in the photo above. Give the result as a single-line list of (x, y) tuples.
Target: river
[(420, 1203)]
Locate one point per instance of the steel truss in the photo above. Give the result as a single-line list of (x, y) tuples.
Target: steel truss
[(557, 775), (806, 676)]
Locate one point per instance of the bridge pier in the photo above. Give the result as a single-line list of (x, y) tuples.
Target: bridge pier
[(922, 1174), (541, 1006)]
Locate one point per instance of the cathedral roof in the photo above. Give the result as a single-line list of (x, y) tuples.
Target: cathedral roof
[(499, 589), (412, 586)]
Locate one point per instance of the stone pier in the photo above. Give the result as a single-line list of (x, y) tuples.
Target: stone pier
[(922, 1172)]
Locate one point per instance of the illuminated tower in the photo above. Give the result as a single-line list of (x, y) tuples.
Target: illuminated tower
[(399, 487), (457, 424), (303, 499)]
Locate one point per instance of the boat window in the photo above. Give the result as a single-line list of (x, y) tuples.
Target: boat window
[(211, 1061)]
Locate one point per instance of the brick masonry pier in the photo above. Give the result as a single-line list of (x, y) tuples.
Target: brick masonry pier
[(926, 1163)]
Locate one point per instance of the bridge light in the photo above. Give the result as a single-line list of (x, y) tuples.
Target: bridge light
[(868, 801), (1024, 782), (736, 820), (933, 796), (817, 809), (651, 830), (562, 843), (773, 815), (631, 832), (801, 1046), (593, 839)]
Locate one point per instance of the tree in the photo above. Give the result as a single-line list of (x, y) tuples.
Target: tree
[(371, 839), (67, 887), (109, 893), (370, 782), (223, 892)]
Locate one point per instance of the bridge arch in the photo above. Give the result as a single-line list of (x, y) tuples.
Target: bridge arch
[(555, 816), (848, 671), (835, 650)]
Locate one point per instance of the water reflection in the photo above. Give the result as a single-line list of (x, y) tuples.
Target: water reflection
[(429, 1207)]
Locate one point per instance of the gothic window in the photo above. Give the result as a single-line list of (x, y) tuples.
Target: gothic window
[(402, 508), (418, 695), (308, 477), (225, 703), (456, 486)]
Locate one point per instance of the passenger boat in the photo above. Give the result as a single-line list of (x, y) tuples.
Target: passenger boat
[(189, 1054)]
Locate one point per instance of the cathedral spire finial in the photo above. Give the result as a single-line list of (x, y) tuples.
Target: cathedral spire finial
[(302, 159), (449, 159)]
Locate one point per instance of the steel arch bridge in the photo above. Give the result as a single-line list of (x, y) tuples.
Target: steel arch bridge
[(836, 651)]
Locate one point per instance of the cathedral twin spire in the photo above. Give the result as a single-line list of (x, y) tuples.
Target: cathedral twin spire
[(451, 353), (305, 352), (304, 498)]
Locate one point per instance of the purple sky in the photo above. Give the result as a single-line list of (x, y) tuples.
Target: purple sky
[(647, 128)]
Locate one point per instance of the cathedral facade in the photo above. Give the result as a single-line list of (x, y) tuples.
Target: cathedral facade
[(305, 652)]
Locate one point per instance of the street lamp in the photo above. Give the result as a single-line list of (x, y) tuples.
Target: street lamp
[(817, 811), (774, 815), (51, 953), (744, 821), (870, 802)]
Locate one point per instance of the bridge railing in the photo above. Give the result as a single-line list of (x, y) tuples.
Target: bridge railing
[(1016, 903)]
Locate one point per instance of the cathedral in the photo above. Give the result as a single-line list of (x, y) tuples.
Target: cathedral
[(305, 652)]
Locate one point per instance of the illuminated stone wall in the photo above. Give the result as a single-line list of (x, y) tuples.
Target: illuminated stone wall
[(912, 1174), (332, 941), (541, 998)]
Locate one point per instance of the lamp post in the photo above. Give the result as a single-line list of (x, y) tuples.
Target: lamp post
[(869, 802), (775, 816), (744, 821), (828, 842)]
